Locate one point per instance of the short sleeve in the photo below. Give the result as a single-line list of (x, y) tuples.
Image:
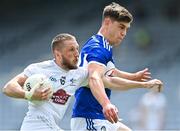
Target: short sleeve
[(30, 70), (83, 72), (97, 54)]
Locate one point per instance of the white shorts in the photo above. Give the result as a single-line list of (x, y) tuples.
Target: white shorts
[(39, 122), (85, 124)]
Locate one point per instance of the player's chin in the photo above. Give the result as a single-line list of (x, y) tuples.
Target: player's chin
[(117, 43), (74, 66)]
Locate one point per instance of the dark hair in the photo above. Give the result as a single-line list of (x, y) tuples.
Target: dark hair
[(117, 13), (58, 41)]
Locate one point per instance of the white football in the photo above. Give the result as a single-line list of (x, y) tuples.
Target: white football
[(37, 81)]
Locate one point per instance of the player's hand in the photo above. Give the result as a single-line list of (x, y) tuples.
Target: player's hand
[(143, 75), (41, 93), (111, 113), (155, 83)]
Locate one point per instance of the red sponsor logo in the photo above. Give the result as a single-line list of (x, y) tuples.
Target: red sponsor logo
[(60, 97)]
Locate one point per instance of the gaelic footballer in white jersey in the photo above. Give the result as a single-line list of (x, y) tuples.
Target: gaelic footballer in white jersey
[(64, 85)]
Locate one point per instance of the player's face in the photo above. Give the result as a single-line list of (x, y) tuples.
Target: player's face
[(117, 31), (70, 54)]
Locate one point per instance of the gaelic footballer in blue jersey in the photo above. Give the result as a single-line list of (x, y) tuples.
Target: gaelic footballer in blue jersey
[(92, 109)]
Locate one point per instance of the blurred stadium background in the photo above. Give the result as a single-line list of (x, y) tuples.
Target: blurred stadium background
[(28, 26)]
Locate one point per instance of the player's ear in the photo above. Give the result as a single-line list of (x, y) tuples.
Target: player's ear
[(57, 54), (107, 21)]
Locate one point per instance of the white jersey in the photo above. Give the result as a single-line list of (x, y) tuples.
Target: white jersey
[(64, 85)]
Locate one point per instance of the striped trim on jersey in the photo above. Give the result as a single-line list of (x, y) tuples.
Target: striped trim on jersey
[(106, 44)]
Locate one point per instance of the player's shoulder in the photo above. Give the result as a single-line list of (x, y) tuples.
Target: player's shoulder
[(93, 41), (43, 64), (80, 71), (97, 38), (99, 42)]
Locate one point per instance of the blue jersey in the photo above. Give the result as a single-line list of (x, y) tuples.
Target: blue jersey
[(96, 49)]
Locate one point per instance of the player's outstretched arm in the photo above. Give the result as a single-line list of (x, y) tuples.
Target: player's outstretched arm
[(117, 83), (14, 88), (142, 75)]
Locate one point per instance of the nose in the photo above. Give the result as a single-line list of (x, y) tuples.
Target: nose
[(76, 53), (123, 33)]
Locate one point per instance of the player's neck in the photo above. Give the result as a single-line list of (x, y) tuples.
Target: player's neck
[(61, 66), (102, 31)]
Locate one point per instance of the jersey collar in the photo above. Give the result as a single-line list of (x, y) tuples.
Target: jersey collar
[(104, 39)]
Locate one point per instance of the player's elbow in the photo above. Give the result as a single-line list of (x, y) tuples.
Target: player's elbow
[(6, 89), (107, 81)]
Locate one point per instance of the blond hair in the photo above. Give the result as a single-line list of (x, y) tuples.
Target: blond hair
[(58, 41)]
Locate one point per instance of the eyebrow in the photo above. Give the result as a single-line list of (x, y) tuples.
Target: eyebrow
[(124, 25)]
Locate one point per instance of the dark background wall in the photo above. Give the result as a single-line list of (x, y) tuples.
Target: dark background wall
[(28, 26)]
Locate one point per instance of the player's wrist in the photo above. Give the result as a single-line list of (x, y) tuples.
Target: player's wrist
[(28, 95), (106, 102), (134, 76), (148, 85)]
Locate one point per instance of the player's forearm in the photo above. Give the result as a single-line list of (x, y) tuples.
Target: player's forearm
[(98, 91), (13, 89), (96, 73), (117, 83), (123, 74)]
